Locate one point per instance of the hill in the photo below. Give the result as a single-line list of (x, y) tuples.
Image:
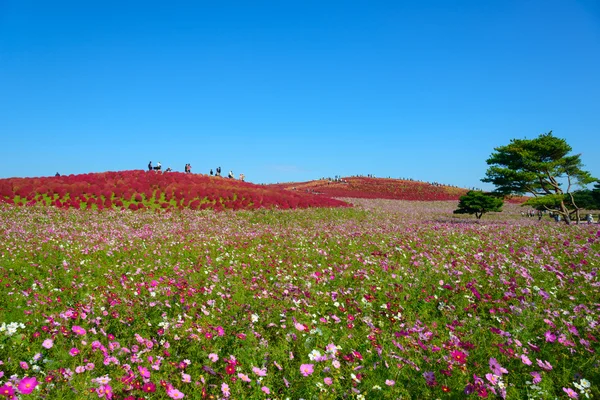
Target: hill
[(140, 189), (376, 188)]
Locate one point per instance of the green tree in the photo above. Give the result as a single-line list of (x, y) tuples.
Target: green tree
[(540, 167), (478, 203), (588, 199)]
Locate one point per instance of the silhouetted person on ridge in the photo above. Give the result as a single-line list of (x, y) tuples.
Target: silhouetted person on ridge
[(150, 166)]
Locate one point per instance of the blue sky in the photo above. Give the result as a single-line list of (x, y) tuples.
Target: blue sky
[(294, 90)]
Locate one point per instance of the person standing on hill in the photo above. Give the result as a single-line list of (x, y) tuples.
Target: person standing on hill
[(150, 166)]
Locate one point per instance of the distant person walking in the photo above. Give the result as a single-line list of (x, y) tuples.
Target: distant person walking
[(150, 166), (211, 172), (230, 176), (590, 219), (218, 171)]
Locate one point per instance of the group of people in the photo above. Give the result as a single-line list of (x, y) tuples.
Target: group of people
[(217, 172), (157, 167), (188, 170)]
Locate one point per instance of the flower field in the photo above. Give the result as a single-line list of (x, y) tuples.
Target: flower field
[(383, 300)]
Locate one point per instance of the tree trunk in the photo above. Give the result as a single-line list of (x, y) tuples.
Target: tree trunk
[(564, 212)]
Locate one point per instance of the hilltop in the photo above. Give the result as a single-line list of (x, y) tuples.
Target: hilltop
[(376, 188)]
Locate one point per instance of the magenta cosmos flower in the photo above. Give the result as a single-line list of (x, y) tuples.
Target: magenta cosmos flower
[(149, 387), (27, 384), (6, 390), (78, 330)]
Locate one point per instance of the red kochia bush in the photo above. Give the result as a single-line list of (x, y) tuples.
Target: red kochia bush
[(157, 190)]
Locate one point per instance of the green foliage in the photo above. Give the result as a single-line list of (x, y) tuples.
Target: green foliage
[(588, 199), (538, 167), (478, 203)]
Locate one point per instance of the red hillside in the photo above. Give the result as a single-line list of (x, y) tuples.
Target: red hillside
[(140, 189), (377, 188)]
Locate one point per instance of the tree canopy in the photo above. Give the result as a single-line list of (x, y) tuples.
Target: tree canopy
[(540, 167), (588, 199), (478, 203)]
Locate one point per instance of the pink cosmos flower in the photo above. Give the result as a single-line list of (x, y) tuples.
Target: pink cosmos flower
[(175, 394), (47, 344), (265, 389), (299, 326), (496, 368), (571, 393), (186, 378), (107, 389), (525, 359), (213, 357), (78, 330), (537, 378), (225, 390), (27, 384), (244, 377), (545, 365), (307, 369), (74, 351), (550, 337), (328, 381), (259, 371), (492, 378), (24, 365), (144, 372), (390, 382)]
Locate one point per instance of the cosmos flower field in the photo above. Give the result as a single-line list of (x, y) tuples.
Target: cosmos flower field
[(385, 300)]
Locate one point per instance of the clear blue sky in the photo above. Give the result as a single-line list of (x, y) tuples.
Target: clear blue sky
[(294, 90)]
